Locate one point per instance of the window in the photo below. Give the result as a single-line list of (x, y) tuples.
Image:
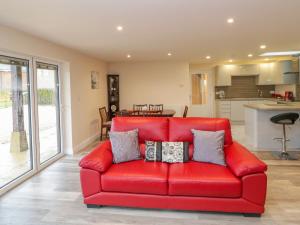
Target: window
[(199, 89)]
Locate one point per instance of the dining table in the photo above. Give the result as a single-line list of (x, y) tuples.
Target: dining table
[(147, 113)]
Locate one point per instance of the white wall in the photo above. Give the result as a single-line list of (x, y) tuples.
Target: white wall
[(80, 102), (153, 83), (168, 83)]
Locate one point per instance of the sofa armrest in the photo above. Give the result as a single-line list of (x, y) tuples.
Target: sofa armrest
[(100, 159), (241, 161)]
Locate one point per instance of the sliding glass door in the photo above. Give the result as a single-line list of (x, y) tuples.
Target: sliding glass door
[(30, 134), (16, 156), (48, 110)]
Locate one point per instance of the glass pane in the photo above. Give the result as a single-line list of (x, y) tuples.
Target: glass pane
[(48, 110), (15, 130), (199, 89)]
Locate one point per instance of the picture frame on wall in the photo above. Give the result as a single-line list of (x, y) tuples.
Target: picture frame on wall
[(95, 80)]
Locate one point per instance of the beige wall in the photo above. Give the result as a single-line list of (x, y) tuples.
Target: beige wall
[(153, 83), (168, 83), (80, 102)]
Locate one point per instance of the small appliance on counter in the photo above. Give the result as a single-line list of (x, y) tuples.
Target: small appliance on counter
[(221, 94), (288, 96)]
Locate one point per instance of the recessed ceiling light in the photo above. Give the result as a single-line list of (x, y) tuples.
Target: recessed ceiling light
[(128, 56), (263, 46), (230, 60), (119, 28), (208, 57), (169, 53), (250, 55), (281, 53), (230, 20)]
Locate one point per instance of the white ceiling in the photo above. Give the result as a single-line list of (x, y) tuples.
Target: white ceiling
[(190, 29)]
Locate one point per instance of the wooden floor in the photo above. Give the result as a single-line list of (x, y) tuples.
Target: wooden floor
[(53, 197)]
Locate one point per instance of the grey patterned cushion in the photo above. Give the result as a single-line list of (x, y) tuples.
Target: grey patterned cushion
[(153, 151), (125, 146), (209, 146), (173, 152)]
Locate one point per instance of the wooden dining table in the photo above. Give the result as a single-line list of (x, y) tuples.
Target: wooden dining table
[(147, 113)]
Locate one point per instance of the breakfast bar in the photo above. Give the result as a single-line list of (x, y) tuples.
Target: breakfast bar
[(260, 131)]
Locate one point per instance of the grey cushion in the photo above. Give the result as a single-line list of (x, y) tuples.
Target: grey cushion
[(125, 146), (209, 146)]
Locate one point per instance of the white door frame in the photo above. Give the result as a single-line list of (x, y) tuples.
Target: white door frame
[(35, 154)]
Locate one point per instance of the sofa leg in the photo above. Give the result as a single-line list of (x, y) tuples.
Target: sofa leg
[(93, 206), (252, 215)]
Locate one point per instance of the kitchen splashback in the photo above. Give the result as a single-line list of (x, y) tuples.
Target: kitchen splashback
[(246, 87)]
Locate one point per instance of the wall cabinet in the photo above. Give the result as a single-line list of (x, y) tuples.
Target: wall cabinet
[(245, 70), (268, 73), (223, 75)]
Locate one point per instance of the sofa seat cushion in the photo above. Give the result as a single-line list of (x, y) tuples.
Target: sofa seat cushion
[(138, 177), (203, 179)]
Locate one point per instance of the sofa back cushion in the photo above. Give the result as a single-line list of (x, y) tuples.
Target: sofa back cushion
[(149, 128), (180, 128)]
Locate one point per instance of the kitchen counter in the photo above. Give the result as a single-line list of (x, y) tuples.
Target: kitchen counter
[(245, 99), (260, 131), (291, 106)]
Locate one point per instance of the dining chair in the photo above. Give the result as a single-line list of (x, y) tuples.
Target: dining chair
[(185, 111), (157, 107), (105, 123), (139, 108)]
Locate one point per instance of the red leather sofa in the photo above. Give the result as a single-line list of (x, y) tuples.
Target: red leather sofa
[(238, 187)]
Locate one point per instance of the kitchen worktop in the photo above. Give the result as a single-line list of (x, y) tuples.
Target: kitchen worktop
[(291, 106), (245, 99)]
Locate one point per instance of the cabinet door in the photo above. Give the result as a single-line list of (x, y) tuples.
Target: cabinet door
[(223, 75), (269, 73), (223, 109), (245, 70), (238, 110)]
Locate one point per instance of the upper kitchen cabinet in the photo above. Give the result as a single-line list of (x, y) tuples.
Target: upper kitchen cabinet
[(268, 74), (225, 72), (223, 75), (245, 70)]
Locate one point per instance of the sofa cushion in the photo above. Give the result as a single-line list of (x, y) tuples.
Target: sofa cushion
[(136, 177), (180, 128), (203, 179), (150, 128), (125, 146), (209, 146)]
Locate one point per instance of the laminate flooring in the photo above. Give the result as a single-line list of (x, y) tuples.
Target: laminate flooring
[(53, 197)]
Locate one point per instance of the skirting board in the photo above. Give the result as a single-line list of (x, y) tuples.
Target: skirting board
[(85, 143)]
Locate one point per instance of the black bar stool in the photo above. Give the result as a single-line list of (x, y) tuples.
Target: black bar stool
[(284, 119)]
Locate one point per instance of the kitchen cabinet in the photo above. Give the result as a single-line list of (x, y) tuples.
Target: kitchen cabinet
[(223, 109), (223, 75), (245, 70), (238, 110), (268, 74)]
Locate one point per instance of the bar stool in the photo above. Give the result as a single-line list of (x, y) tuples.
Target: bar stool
[(284, 119)]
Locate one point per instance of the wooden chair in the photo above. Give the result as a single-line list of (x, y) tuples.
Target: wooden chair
[(185, 111), (140, 108), (105, 123), (157, 108)]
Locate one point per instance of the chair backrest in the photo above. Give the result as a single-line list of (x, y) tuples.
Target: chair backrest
[(103, 114), (141, 107), (157, 107), (186, 108)]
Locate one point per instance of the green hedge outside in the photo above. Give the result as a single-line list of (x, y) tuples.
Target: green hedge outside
[(45, 97)]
